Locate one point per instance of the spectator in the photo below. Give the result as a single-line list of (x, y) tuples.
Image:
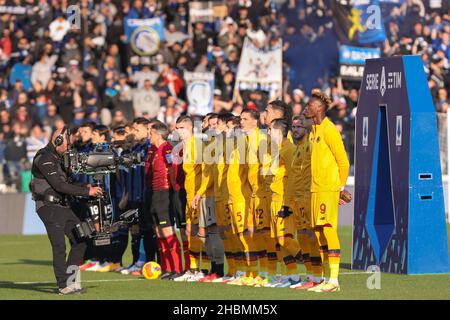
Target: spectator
[(35, 141), (42, 70), (442, 102), (146, 101), (15, 154), (59, 28), (146, 73)]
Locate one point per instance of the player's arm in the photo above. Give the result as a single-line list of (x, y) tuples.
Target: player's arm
[(207, 179), (336, 145), (289, 184), (253, 166), (170, 168)]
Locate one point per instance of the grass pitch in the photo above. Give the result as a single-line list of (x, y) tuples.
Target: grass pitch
[(26, 273)]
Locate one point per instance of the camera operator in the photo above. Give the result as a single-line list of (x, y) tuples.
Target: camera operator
[(51, 187)]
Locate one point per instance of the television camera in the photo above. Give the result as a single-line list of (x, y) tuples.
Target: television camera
[(100, 163)]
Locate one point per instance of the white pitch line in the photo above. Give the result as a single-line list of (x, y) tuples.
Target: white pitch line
[(137, 279), (82, 281)]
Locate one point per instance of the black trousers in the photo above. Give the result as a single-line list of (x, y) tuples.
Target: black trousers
[(60, 222)]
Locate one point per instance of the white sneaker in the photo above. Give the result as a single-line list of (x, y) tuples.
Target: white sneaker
[(130, 269), (101, 266), (274, 281), (95, 267), (197, 276), (187, 275)]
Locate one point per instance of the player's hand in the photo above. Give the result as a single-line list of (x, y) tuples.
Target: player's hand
[(95, 191), (345, 197), (195, 201)]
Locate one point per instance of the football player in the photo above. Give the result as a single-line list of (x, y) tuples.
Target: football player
[(329, 169), (301, 202), (282, 220)]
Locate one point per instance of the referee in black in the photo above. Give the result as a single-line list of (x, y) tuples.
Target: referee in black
[(50, 187)]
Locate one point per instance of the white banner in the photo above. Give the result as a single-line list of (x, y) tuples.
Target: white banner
[(260, 69), (200, 92)]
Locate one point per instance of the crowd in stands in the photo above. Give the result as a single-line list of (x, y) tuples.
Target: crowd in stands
[(52, 73)]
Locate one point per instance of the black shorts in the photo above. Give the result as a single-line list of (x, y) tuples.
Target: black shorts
[(160, 208), (178, 208)]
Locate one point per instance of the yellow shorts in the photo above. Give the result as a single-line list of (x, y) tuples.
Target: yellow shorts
[(192, 216), (259, 215), (223, 213), (302, 211), (324, 208), (281, 227), (239, 216)]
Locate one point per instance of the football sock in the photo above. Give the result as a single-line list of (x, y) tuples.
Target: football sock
[(205, 260), (175, 253), (289, 262), (334, 252), (262, 252), (272, 258), (251, 257), (305, 244), (323, 250), (135, 244), (195, 247), (316, 261), (217, 247), (229, 253), (186, 255), (219, 269), (291, 245), (165, 256), (150, 243)]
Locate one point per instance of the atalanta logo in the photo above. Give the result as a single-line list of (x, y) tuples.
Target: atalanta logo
[(145, 41)]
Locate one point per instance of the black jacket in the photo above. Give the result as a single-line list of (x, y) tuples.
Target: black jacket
[(49, 177)]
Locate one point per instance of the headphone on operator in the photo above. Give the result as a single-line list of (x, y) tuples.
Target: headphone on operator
[(60, 138)]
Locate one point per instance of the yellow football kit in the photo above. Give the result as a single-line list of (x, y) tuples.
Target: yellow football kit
[(329, 169), (258, 158), (192, 167), (300, 184), (281, 169), (221, 195)]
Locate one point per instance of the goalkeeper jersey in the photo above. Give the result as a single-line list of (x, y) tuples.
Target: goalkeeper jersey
[(329, 163)]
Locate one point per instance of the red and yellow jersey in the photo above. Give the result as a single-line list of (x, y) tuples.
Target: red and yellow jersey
[(300, 180), (329, 163), (192, 166), (237, 173), (281, 169)]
